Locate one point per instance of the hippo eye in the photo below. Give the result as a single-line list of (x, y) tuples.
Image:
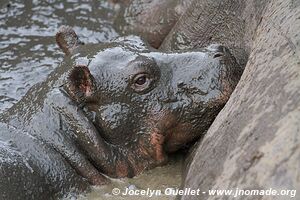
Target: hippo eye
[(218, 55), (141, 82)]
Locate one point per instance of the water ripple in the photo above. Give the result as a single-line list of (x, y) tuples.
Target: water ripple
[(28, 52)]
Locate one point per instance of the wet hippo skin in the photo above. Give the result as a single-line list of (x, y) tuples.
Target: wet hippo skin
[(117, 109), (151, 19)]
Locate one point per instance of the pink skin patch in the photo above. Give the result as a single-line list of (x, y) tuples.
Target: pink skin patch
[(157, 141), (86, 85)]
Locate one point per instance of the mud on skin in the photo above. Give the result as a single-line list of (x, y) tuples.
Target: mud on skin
[(115, 108)]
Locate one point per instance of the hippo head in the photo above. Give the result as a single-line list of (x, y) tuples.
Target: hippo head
[(147, 103)]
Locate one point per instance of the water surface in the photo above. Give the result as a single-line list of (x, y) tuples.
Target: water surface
[(160, 179), (28, 52)]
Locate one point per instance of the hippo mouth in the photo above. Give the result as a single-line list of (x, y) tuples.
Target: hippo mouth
[(169, 134)]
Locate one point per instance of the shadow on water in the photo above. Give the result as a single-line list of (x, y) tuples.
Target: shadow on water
[(28, 53)]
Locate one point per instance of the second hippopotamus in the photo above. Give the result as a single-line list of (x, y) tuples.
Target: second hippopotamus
[(116, 109)]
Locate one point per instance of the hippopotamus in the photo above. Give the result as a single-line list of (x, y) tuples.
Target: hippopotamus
[(151, 19), (109, 110)]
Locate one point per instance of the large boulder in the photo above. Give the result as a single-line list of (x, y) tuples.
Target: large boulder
[(254, 143)]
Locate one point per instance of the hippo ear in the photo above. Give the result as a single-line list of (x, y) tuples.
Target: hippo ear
[(67, 39), (81, 82)]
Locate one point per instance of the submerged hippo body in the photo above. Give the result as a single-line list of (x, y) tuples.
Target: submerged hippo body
[(114, 109)]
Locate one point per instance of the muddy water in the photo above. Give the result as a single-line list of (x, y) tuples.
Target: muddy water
[(159, 182), (28, 53)]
